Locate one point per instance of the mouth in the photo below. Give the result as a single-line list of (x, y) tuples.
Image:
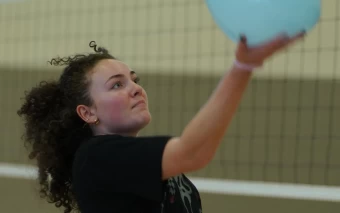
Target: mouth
[(141, 102)]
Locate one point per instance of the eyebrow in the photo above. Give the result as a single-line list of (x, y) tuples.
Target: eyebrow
[(119, 76)]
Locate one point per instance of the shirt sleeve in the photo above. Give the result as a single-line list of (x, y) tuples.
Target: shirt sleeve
[(130, 165)]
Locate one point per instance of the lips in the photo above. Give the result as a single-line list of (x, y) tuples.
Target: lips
[(138, 103)]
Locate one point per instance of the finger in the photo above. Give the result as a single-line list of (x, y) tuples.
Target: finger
[(292, 40), (242, 45), (298, 37), (275, 44), (281, 42)]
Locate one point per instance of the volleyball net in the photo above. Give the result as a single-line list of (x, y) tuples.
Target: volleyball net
[(286, 130)]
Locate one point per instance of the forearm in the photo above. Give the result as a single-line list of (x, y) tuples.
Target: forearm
[(203, 134)]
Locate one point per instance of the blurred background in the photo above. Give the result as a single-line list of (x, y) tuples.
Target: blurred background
[(285, 132)]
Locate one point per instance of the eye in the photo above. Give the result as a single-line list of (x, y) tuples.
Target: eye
[(137, 80), (117, 85)]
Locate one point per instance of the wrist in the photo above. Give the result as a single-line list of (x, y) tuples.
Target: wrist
[(244, 66)]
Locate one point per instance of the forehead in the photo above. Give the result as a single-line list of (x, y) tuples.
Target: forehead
[(108, 67)]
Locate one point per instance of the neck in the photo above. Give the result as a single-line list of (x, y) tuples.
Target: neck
[(100, 131)]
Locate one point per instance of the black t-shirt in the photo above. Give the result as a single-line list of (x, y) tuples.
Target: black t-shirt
[(112, 174)]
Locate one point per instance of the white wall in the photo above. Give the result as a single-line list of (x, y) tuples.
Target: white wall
[(151, 35)]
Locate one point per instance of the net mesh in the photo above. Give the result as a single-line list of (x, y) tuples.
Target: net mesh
[(286, 129)]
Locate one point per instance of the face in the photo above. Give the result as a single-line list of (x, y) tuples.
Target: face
[(120, 104)]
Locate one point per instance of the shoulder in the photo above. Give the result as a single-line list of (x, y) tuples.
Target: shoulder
[(111, 150), (116, 140), (117, 143)]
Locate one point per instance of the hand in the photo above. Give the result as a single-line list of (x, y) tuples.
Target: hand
[(256, 56)]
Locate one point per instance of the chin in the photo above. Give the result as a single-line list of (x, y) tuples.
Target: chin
[(141, 121), (146, 119)]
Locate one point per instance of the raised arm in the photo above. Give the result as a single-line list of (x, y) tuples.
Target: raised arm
[(197, 145)]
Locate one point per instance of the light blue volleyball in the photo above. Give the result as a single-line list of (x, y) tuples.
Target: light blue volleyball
[(261, 20)]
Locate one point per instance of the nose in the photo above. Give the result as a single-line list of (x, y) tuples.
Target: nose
[(136, 90)]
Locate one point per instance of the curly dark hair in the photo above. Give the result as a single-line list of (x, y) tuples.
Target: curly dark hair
[(53, 129)]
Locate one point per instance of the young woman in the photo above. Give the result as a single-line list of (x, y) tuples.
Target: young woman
[(83, 131)]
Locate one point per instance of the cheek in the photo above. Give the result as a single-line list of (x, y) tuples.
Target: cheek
[(113, 108)]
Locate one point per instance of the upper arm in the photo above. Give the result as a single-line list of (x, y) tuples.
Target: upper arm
[(177, 160)]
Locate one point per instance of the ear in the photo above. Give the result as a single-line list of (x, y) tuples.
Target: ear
[(86, 113)]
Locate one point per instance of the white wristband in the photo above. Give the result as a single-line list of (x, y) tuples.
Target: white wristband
[(243, 66)]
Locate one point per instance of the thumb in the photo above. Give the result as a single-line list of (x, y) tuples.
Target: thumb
[(242, 48), (242, 45)]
